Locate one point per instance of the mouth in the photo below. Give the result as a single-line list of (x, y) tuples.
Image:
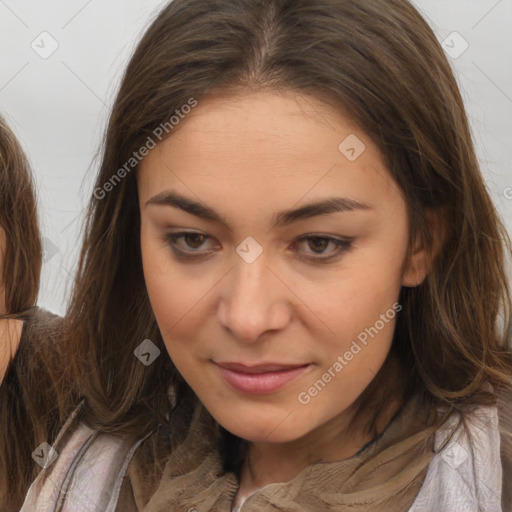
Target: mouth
[(261, 378)]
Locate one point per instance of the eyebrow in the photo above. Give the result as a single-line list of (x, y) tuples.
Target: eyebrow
[(280, 219)]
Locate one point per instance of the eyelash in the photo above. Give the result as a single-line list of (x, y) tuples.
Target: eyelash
[(342, 246)]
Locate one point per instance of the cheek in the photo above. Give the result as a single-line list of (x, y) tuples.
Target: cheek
[(359, 307), (162, 281), (361, 321), (176, 293), (355, 298)]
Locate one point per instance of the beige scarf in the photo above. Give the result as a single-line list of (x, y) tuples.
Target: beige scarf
[(386, 475)]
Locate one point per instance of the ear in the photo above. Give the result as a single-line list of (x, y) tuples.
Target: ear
[(419, 264)]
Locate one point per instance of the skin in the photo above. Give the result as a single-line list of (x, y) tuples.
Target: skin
[(247, 157), (2, 286)]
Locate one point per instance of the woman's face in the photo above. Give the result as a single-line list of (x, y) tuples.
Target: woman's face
[(2, 256), (278, 303)]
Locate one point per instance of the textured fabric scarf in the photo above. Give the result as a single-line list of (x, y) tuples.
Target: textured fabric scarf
[(385, 475), (470, 471)]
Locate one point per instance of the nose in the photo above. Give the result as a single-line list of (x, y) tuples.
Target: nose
[(254, 300)]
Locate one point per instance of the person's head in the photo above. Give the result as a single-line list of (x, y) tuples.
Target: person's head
[(247, 109), (28, 401), (20, 241), (257, 288)]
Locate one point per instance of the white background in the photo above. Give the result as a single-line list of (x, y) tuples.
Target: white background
[(58, 106)]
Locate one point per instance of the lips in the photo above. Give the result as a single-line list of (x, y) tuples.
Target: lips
[(259, 368), (261, 378)]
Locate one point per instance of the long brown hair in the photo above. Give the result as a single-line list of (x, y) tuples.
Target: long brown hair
[(22, 258), (376, 61), (36, 393)]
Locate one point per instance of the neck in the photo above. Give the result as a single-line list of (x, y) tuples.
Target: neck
[(10, 334), (336, 440)]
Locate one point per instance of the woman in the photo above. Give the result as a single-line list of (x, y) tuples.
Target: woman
[(19, 282), (34, 392), (246, 139)]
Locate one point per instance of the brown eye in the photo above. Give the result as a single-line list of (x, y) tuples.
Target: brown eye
[(194, 240), (318, 243), (317, 248), (190, 246)]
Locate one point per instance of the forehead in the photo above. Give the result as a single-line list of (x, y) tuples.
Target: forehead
[(269, 125), (260, 149)]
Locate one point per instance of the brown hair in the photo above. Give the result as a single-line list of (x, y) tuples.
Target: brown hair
[(377, 61), (22, 258), (35, 393)]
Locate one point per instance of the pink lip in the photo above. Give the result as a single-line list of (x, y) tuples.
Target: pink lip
[(259, 379)]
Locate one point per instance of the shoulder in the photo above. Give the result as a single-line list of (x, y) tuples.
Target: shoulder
[(42, 323), (41, 334), (466, 471), (83, 470), (37, 355), (40, 371)]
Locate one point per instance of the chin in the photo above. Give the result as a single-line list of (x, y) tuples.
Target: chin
[(273, 429), (255, 435)]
